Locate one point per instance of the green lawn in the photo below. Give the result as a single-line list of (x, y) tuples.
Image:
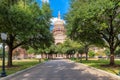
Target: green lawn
[(102, 64), (20, 65)]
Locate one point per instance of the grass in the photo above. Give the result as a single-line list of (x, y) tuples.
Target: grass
[(20, 65), (102, 64)]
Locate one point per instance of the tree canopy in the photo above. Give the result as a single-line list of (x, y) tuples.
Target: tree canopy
[(96, 22), (25, 23)]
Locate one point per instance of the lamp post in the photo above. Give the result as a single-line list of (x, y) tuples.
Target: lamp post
[(3, 37)]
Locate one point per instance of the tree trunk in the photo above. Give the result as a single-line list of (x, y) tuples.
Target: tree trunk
[(10, 57), (67, 56), (46, 55), (86, 51), (112, 61), (70, 55), (86, 56), (42, 55), (111, 41), (10, 47), (77, 55), (81, 58)]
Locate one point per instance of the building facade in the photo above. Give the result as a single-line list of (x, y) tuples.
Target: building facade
[(59, 31)]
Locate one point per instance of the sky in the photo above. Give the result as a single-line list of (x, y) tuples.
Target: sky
[(56, 6)]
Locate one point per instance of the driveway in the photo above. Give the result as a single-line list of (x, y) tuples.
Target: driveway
[(62, 70)]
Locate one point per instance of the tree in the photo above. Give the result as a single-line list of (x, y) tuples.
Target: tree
[(70, 47), (31, 50), (91, 54), (25, 24), (107, 52), (78, 29), (0, 52), (98, 20), (117, 52), (81, 51), (52, 50)]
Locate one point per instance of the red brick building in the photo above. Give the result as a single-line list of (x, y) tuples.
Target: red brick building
[(20, 53)]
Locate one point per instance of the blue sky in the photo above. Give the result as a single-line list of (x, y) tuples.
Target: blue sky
[(58, 5)]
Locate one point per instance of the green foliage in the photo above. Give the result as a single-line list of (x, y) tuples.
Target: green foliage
[(117, 52), (107, 52), (91, 54), (95, 22), (79, 25), (81, 50), (71, 46), (59, 48), (52, 49), (26, 24), (68, 47), (30, 50), (70, 51)]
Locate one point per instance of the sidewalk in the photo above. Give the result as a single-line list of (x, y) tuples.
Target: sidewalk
[(62, 70)]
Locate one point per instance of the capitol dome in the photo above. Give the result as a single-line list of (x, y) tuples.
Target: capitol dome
[(59, 30)]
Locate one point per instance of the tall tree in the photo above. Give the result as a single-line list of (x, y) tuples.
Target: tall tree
[(97, 20), (25, 25), (75, 26)]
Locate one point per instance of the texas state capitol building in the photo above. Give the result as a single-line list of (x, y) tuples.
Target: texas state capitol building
[(59, 32)]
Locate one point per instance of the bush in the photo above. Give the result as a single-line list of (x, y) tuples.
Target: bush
[(91, 54)]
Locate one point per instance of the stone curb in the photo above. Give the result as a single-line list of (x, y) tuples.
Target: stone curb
[(19, 72), (102, 71)]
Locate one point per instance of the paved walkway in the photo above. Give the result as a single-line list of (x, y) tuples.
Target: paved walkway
[(62, 70)]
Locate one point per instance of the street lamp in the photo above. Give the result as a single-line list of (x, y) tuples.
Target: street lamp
[(3, 37)]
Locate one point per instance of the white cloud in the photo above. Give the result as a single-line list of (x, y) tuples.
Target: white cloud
[(55, 19), (45, 1)]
